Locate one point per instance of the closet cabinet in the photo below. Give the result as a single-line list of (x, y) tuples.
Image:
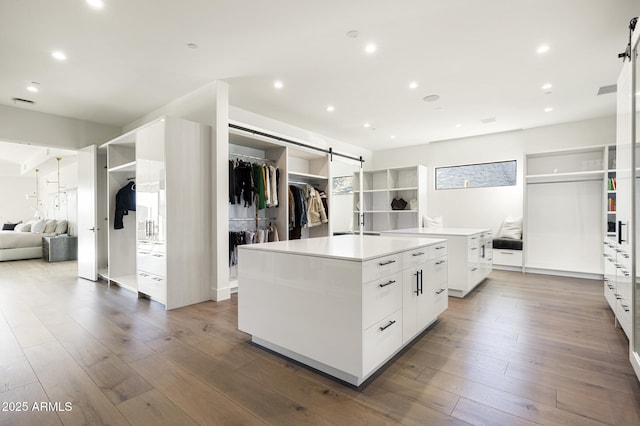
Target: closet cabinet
[(564, 212), (163, 250), (381, 188)]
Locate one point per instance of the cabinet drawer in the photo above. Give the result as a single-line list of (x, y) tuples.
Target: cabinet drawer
[(507, 257), (609, 295), (437, 272), (380, 298), (151, 262), (438, 250), (440, 299), (154, 286), (474, 274), (381, 340), (381, 267), (623, 312), (415, 257), (473, 254)]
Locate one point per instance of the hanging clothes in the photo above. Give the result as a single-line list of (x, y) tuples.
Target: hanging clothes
[(125, 201), (316, 213), (273, 182)]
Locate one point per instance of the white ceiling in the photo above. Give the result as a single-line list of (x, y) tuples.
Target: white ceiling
[(479, 56)]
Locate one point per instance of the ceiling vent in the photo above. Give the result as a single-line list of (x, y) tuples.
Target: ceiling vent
[(488, 120), (607, 89), (21, 100)]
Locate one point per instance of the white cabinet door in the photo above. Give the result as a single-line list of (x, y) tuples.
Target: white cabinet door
[(416, 302), (87, 207)]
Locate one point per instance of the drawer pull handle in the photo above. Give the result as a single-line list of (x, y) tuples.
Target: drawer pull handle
[(507, 252), (617, 296), (474, 248), (625, 273), (610, 286), (474, 269), (440, 291), (388, 262), (418, 254), (625, 307), (440, 262), (625, 255), (386, 284), (157, 279), (440, 247), (156, 255), (384, 327)]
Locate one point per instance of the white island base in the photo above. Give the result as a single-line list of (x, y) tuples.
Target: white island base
[(343, 305)]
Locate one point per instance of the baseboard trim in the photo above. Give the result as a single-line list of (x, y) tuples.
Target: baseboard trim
[(570, 274)]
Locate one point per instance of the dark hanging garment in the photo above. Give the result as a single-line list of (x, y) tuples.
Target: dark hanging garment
[(232, 182), (125, 201), (258, 186)]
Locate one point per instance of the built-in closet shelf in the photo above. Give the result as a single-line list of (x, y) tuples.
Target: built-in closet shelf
[(128, 167), (306, 177), (387, 211), (374, 190), (565, 177), (128, 281)]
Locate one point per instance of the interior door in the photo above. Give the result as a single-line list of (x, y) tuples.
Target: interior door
[(87, 210)]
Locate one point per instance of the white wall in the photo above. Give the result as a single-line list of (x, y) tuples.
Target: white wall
[(15, 206), (487, 207), (37, 128)]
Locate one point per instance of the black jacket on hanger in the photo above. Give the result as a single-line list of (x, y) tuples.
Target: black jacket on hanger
[(125, 201)]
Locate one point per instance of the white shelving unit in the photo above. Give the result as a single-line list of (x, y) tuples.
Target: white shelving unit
[(381, 187), (564, 218), (163, 250)]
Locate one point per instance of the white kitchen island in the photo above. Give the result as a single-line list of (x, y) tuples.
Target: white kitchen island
[(470, 254), (345, 304)]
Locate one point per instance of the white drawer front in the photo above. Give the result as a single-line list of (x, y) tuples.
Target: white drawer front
[(623, 312), (381, 340), (381, 298), (441, 299), (507, 257), (150, 261), (381, 267), (415, 257), (437, 250), (154, 286), (609, 294)]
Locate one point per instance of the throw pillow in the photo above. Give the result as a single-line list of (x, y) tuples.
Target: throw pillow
[(50, 226), (511, 228), (432, 222), (61, 227), (38, 226)]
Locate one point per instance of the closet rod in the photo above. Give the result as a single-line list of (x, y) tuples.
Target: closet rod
[(304, 145), (132, 178), (251, 218), (297, 182), (253, 157)]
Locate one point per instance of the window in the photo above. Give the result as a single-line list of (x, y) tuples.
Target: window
[(502, 173)]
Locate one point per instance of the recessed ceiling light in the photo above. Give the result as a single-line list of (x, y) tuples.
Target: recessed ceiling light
[(278, 84), (439, 109), (548, 109), (458, 125), (370, 48), (33, 86), (367, 125), (413, 85), (392, 137), (96, 4), (192, 45), (330, 108), (544, 48), (547, 86), (353, 34), (58, 55), (431, 98)]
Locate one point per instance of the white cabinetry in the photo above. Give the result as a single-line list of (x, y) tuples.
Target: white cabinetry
[(339, 304), (470, 254), (381, 187), (163, 250), (564, 221)]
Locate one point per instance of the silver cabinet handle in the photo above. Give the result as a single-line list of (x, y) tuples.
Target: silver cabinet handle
[(418, 254), (474, 269)]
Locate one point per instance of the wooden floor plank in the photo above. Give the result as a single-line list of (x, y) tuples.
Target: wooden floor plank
[(480, 414), (153, 408), (30, 397), (65, 382)]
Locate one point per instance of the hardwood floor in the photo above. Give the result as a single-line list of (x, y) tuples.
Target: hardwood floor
[(520, 350)]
